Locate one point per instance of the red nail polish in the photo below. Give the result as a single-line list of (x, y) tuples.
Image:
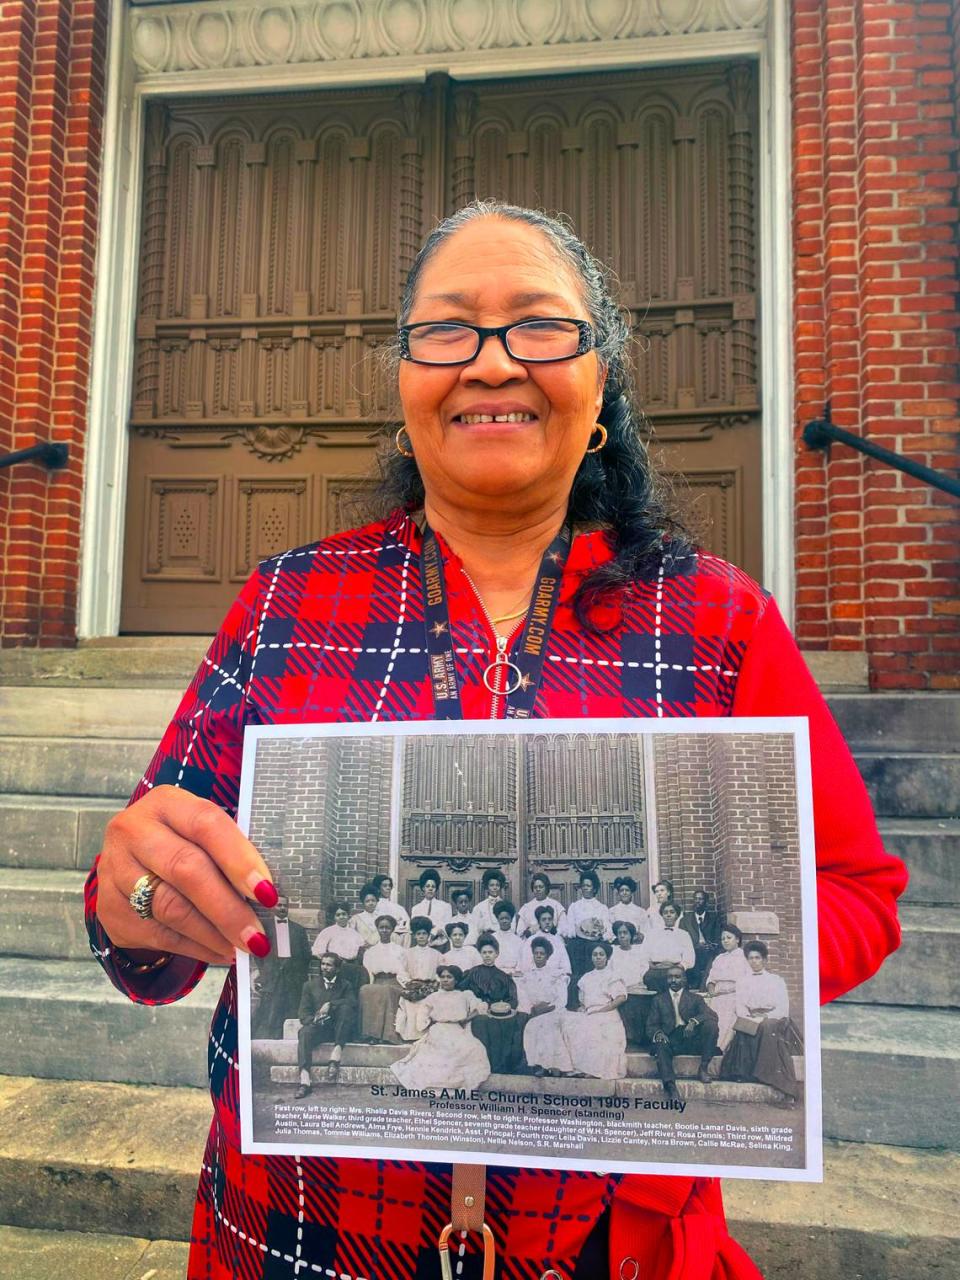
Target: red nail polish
[(259, 944), (265, 894)]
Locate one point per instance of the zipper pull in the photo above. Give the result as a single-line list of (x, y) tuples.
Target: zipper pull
[(501, 649)]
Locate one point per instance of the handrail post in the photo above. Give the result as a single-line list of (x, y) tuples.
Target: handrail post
[(50, 454)]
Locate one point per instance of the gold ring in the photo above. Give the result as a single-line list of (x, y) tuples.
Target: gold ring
[(141, 899)]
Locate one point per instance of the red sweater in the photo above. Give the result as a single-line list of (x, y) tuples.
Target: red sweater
[(334, 632)]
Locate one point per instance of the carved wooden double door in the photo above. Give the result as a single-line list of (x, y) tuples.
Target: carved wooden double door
[(277, 231), (522, 804)]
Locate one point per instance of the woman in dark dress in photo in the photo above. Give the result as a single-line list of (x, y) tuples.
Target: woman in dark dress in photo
[(766, 1054), (501, 1028)]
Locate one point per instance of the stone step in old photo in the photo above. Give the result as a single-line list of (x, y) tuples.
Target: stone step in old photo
[(724, 1091)]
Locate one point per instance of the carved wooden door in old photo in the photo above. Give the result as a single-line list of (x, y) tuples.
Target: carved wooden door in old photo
[(277, 231)]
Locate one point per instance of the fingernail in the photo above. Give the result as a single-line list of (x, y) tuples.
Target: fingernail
[(265, 893), (256, 942)]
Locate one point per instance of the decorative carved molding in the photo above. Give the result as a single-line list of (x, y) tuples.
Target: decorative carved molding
[(217, 35)]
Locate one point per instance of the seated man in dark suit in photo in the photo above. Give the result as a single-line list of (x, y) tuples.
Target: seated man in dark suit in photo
[(328, 1015), (681, 1022), (280, 975), (703, 926)]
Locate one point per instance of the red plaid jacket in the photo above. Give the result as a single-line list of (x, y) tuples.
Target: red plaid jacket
[(334, 632)]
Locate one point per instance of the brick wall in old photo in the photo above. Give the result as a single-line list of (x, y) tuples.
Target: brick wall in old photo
[(321, 817), (727, 822), (875, 204), (52, 69)]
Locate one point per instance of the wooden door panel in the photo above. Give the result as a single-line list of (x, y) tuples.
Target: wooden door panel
[(277, 231)]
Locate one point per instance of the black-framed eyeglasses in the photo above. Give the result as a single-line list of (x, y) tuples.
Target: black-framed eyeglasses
[(541, 341)]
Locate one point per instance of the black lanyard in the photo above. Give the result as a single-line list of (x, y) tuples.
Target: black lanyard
[(515, 676)]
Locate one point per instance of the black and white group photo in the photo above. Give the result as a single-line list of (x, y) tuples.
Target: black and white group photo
[(480, 921)]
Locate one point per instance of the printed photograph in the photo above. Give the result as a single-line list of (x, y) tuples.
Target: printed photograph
[(534, 943)]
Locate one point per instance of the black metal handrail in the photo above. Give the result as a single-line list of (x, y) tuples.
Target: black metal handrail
[(53, 456), (821, 433)]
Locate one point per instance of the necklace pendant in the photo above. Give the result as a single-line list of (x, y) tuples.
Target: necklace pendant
[(512, 673)]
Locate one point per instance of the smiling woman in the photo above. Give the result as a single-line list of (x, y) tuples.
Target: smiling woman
[(527, 568)]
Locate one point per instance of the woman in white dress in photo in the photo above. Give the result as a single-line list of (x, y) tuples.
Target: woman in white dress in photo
[(338, 939), (726, 970), (421, 962), (380, 999), (461, 953), (625, 908), (594, 1034), (630, 962), (431, 907), (540, 886), (510, 959), (546, 928), (365, 921), (448, 1055), (542, 993), (387, 906), (586, 921)]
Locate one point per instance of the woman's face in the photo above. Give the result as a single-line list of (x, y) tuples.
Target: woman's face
[(625, 894), (539, 890), (447, 980), (385, 930), (457, 936), (421, 938), (341, 917), (539, 957), (386, 887), (587, 888), (430, 889), (728, 940), (369, 902), (489, 273), (488, 955), (493, 888), (598, 958), (505, 921), (662, 893), (756, 961), (624, 938)]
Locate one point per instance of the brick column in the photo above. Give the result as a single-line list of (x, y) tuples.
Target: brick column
[(52, 62), (875, 209)]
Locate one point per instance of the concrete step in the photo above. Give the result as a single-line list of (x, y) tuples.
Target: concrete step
[(139, 662), (54, 832), (918, 785), (931, 849), (65, 1020), (77, 1255), (28, 712), (41, 915), (105, 768), (924, 972), (111, 1158), (891, 1075), (899, 721)]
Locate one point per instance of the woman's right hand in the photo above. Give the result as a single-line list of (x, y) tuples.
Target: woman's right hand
[(208, 872)]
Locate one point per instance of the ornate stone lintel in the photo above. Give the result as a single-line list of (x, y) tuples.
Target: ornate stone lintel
[(222, 34)]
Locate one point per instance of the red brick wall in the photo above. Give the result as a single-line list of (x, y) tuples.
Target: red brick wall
[(52, 62), (875, 134)]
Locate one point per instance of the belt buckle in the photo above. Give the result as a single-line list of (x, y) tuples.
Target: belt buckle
[(489, 1252)]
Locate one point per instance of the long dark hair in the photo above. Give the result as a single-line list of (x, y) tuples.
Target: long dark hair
[(616, 488)]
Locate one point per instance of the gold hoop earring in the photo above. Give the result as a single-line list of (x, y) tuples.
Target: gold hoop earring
[(406, 453), (603, 438)]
